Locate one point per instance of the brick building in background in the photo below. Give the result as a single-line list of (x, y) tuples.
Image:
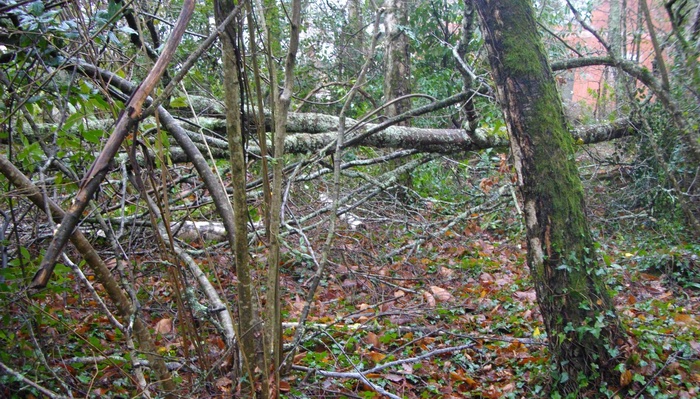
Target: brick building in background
[(589, 91)]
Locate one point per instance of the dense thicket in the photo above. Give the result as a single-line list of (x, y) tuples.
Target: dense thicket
[(261, 198)]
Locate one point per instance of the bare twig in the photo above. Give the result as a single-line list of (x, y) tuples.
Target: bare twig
[(97, 172), (362, 374), (27, 381)]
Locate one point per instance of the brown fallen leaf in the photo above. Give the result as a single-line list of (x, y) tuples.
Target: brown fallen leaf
[(164, 326), (224, 384), (429, 298), (372, 339), (625, 378), (695, 345), (526, 296), (394, 377), (508, 388), (458, 376), (298, 357), (502, 280), (445, 272), (376, 356), (684, 319), (486, 278), (298, 304), (284, 386), (441, 294), (407, 368)]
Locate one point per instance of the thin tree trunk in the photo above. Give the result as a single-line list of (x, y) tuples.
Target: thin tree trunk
[(352, 46), (583, 329), (397, 82), (616, 40), (282, 100), (248, 326), (658, 55)]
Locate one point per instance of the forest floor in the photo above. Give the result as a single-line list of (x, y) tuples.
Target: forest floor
[(453, 316), (460, 319)]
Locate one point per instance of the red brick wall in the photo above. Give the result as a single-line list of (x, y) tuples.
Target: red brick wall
[(590, 88)]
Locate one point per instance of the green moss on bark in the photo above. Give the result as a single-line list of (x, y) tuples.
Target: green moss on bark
[(522, 59)]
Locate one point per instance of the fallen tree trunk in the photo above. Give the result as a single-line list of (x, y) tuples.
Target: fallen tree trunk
[(443, 141), (450, 140), (311, 132)]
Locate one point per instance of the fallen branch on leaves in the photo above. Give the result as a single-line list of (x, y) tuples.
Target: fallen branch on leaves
[(363, 375), (378, 368), (20, 377)]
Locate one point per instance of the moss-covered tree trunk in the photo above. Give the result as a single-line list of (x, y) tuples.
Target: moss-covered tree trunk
[(583, 329)]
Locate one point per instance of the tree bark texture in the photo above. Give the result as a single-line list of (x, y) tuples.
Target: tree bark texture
[(273, 316), (397, 82), (249, 330), (583, 329)]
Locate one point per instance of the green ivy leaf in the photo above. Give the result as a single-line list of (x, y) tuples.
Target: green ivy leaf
[(178, 102), (36, 8), (93, 136)]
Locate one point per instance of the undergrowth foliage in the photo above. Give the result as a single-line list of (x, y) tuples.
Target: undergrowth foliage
[(453, 315)]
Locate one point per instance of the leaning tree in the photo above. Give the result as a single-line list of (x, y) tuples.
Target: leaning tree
[(584, 332)]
